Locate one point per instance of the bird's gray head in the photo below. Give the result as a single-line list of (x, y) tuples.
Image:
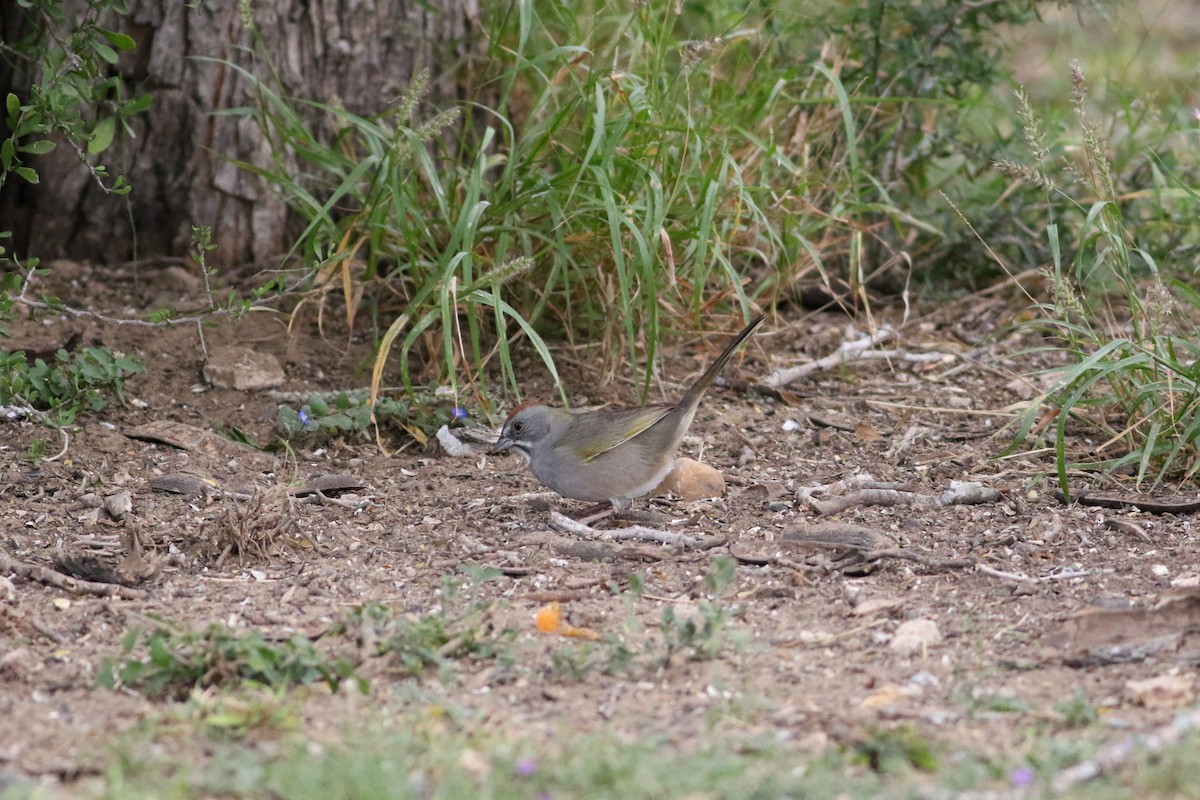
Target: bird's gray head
[(527, 426)]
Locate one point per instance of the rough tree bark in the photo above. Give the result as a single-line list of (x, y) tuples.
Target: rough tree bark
[(360, 54)]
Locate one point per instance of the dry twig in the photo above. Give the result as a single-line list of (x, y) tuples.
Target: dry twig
[(35, 572), (640, 533), (848, 351), (959, 493)]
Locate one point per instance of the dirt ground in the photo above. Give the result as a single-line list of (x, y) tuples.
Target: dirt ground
[(808, 651)]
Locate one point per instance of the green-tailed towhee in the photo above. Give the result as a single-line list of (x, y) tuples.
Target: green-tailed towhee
[(613, 454)]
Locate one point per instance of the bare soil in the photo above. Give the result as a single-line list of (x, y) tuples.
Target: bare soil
[(807, 653)]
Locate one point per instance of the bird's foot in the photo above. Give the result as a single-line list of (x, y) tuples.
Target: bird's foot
[(593, 513)]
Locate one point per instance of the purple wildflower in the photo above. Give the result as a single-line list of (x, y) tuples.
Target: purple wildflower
[(1022, 776)]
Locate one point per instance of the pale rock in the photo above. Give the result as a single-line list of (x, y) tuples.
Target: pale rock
[(118, 505), (692, 480), (1162, 691), (915, 636), (890, 695), (877, 605), (1188, 580), (243, 369)]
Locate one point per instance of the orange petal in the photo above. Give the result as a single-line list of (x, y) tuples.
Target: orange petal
[(579, 633), (549, 617)]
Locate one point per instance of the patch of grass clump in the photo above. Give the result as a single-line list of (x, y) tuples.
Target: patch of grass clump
[(1123, 310), (461, 627), (418, 643), (1078, 712), (439, 764), (629, 167), (889, 751), (170, 662)]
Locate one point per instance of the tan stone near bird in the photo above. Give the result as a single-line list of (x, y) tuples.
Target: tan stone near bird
[(614, 454)]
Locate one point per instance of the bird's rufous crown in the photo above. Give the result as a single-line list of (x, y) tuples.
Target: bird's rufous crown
[(518, 409)]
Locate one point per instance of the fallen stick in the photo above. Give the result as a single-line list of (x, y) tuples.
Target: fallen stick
[(959, 493), (1065, 575), (848, 351), (1148, 504), (635, 532), (35, 572)]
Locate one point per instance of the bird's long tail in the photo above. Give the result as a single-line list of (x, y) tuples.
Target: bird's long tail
[(714, 369)]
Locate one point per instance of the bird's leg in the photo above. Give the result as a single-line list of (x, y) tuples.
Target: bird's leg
[(596, 512)]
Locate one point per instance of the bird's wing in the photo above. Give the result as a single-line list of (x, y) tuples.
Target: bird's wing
[(612, 427)]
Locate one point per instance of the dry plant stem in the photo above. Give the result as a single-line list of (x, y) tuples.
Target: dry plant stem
[(1119, 753), (959, 493), (905, 355), (1057, 576), (1124, 526), (45, 630), (326, 500), (848, 351), (862, 480), (35, 572), (867, 497), (1149, 505), (24, 299), (22, 412), (565, 524), (831, 638), (66, 444), (902, 554), (530, 497)]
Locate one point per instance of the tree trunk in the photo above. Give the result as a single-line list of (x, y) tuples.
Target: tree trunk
[(359, 54)]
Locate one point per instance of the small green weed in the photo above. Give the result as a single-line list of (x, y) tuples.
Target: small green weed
[(36, 452), (244, 710), (701, 635), (174, 663), (343, 412), (609, 656), (720, 575), (460, 628), (889, 751), (1078, 712), (72, 383), (977, 701)]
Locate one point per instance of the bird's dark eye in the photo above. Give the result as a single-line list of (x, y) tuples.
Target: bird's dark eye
[(519, 427)]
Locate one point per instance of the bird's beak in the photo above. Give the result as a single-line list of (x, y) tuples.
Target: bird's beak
[(502, 444)]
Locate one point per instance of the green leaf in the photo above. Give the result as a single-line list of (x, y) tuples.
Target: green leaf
[(137, 105), (106, 678), (120, 41), (39, 148), (13, 104), (28, 174), (102, 135), (105, 52)]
